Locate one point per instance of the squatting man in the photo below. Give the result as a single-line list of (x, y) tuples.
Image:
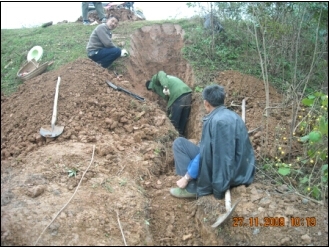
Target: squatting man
[(224, 157), (100, 47)]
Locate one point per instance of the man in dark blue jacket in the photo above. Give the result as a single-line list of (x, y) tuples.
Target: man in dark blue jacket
[(224, 157)]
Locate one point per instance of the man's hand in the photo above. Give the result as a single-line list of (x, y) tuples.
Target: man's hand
[(182, 183)]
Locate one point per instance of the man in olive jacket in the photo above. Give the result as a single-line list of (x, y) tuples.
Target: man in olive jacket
[(224, 158), (178, 95)]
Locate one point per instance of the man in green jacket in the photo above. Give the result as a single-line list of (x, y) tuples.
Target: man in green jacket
[(178, 95)]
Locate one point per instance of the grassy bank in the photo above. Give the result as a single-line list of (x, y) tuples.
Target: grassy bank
[(62, 43)]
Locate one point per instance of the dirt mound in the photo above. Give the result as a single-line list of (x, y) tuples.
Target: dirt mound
[(127, 133), (86, 107), (124, 195), (122, 13)]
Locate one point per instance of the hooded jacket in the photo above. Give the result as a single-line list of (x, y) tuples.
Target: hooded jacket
[(226, 154), (176, 86)]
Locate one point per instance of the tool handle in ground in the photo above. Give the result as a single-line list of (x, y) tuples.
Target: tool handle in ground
[(124, 90), (54, 117)]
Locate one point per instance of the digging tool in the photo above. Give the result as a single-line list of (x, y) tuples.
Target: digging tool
[(124, 90), (229, 209), (53, 131)]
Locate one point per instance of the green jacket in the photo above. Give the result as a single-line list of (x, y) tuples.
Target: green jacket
[(176, 86)]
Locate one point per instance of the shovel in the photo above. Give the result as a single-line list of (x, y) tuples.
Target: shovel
[(229, 209), (53, 131)]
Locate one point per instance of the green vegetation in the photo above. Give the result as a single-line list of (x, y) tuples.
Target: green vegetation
[(307, 172), (292, 42), (284, 44), (315, 130), (157, 151), (72, 172), (123, 182), (198, 89), (106, 185), (62, 43)]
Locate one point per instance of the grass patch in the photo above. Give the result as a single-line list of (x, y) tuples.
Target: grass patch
[(61, 43)]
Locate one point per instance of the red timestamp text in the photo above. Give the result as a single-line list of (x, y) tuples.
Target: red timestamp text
[(307, 221), (273, 222)]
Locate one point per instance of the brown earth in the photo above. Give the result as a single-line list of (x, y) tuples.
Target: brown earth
[(123, 14), (124, 194)]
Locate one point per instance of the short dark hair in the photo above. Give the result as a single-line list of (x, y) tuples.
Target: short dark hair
[(147, 84), (214, 94), (116, 17)]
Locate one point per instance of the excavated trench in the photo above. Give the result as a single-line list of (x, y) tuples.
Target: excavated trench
[(158, 47), (155, 48)]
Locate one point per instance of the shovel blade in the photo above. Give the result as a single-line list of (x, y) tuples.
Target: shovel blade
[(49, 133), (221, 219)]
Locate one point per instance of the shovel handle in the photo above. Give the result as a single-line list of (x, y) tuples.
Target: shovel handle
[(54, 117), (228, 200)]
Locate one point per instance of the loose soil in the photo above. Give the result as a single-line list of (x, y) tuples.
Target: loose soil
[(124, 194)]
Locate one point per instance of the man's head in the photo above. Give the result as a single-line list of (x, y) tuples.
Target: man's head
[(213, 96), (112, 22), (147, 84)]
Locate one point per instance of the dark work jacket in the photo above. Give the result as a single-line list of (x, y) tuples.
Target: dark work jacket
[(226, 154)]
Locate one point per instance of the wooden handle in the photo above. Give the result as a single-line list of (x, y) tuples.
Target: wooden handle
[(54, 117), (228, 200)]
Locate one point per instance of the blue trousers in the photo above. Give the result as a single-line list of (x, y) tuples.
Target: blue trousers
[(184, 151), (99, 8), (106, 56)]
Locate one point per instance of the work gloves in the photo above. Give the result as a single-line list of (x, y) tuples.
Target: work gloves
[(166, 91), (124, 53)]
